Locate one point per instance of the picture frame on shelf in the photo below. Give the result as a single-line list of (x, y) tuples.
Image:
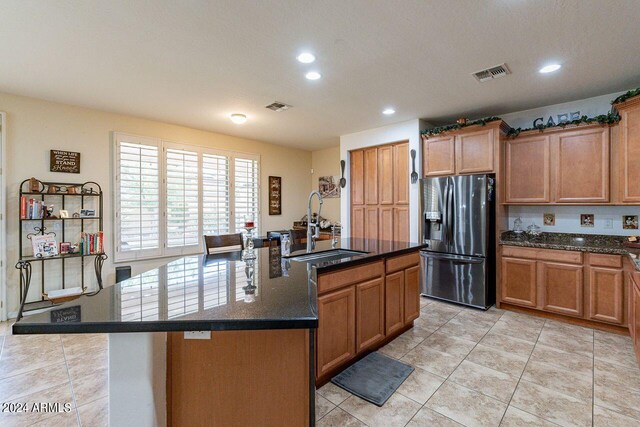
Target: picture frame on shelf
[(65, 248), (44, 245), (64, 213), (87, 213)]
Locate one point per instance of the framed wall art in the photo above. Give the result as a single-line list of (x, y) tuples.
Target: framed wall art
[(275, 195)]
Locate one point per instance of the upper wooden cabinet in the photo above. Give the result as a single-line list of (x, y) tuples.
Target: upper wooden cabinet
[(371, 176), (438, 155), (527, 169), (401, 174), (582, 165), (357, 177), (629, 156), (475, 152)]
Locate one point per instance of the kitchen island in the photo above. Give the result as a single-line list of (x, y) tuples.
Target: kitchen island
[(219, 339)]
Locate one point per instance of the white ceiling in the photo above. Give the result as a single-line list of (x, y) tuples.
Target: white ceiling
[(194, 62)]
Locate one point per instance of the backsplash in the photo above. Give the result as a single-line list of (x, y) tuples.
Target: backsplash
[(567, 218)]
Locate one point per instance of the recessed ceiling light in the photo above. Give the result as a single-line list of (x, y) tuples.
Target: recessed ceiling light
[(306, 58), (238, 118), (313, 75), (550, 68), (388, 111)]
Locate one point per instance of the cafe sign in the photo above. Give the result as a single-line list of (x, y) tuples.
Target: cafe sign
[(64, 161)]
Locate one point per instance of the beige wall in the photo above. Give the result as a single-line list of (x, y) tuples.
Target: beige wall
[(35, 126), (325, 163)]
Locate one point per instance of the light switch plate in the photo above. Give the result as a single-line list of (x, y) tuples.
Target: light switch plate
[(197, 335), (608, 223)]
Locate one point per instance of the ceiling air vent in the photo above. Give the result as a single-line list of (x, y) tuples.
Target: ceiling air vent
[(278, 106), (492, 73)]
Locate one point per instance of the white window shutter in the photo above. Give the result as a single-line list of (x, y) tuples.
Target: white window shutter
[(246, 191), (215, 194), (182, 198)]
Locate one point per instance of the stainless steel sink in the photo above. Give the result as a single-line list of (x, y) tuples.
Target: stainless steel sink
[(331, 255)]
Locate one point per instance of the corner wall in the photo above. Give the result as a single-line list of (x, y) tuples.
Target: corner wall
[(326, 162)]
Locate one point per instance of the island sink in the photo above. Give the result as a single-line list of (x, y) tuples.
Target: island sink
[(330, 255)]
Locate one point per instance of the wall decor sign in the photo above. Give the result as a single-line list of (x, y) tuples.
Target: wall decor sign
[(64, 161), (328, 187), (587, 220), (549, 219), (275, 195), (561, 119), (630, 222), (66, 315)]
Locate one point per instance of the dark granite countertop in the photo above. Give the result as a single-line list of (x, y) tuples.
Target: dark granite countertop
[(595, 243), (200, 292)]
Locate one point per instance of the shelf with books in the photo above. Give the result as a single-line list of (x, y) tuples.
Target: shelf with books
[(80, 237)]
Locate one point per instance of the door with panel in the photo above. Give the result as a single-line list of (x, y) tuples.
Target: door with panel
[(636, 314), (369, 313), (560, 288), (336, 329), (475, 152), (385, 175), (528, 169), (411, 294), (401, 224), (401, 173), (606, 295), (581, 165), (386, 231), (371, 222), (394, 302), (438, 156), (357, 222), (518, 281), (630, 150), (356, 169), (371, 176)]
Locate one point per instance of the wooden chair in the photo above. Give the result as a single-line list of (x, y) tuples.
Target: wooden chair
[(222, 241)]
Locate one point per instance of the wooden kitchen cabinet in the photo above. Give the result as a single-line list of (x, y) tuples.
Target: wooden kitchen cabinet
[(519, 284), (606, 294), (394, 302), (560, 288), (474, 152), (336, 329), (528, 169), (385, 175), (386, 223), (356, 167), (635, 313), (370, 309), (629, 156), (371, 222), (371, 176), (401, 174), (357, 222), (438, 155), (582, 165), (411, 294), (401, 224)]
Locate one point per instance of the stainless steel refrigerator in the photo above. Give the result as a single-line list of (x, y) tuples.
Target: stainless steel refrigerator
[(458, 264)]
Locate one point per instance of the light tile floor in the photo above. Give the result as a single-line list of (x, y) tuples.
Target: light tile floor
[(498, 368), (472, 368)]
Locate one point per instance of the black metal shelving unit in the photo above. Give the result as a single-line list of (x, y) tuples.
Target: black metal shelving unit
[(84, 191)]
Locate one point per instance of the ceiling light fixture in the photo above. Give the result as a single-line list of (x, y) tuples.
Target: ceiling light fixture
[(313, 75), (238, 118), (306, 58), (388, 111), (550, 68)]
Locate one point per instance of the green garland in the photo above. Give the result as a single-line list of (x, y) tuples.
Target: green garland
[(604, 119), (625, 96), (456, 126)]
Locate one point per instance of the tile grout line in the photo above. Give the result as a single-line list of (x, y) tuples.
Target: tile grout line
[(73, 393)]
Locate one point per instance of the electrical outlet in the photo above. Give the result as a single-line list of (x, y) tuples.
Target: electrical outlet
[(197, 335), (608, 223)]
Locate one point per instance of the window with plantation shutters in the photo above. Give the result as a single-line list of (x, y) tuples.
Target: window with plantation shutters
[(169, 195), (182, 198), (138, 197)]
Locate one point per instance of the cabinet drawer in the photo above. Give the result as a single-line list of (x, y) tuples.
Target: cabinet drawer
[(603, 260), (403, 261), (572, 257), (348, 276)]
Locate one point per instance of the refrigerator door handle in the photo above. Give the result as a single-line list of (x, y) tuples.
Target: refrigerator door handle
[(449, 229), (455, 258)]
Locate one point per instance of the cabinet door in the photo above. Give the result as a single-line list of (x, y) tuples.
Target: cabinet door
[(371, 176), (369, 313), (630, 155), (356, 168), (394, 302), (474, 152), (438, 156), (401, 224), (411, 294), (527, 169), (357, 222), (519, 281), (385, 175), (636, 317), (336, 329), (560, 287), (606, 295), (371, 223), (582, 166), (386, 223), (401, 173)]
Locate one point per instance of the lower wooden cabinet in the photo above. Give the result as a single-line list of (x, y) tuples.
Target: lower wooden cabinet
[(606, 295), (519, 284), (336, 328), (635, 314), (411, 294), (394, 302), (369, 313), (560, 287)]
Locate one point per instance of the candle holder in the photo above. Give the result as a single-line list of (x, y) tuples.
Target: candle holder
[(248, 243)]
